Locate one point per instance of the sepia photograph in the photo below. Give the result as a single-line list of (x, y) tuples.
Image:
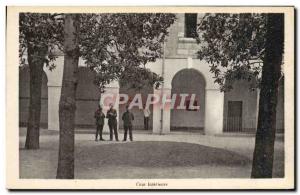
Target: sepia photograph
[(150, 98)]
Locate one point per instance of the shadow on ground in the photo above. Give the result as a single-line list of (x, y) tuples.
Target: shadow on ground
[(153, 156), (157, 154)]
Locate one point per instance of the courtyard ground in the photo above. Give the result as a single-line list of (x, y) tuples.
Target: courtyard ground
[(175, 155)]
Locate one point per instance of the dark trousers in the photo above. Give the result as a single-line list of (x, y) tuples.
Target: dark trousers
[(146, 123), (113, 130), (126, 128), (99, 131)]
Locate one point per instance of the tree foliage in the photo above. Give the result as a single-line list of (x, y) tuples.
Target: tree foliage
[(115, 45), (233, 45), (37, 30), (118, 46)]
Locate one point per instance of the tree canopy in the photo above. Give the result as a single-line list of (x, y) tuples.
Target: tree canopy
[(233, 45), (40, 30), (118, 46)]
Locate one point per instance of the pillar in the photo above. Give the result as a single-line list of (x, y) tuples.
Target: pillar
[(161, 114), (257, 106), (214, 105), (156, 114), (111, 95), (53, 107), (54, 89), (166, 112)]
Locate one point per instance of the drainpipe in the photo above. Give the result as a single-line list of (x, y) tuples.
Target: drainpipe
[(162, 89)]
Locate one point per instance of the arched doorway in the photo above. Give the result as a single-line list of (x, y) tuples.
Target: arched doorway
[(87, 98), (188, 81), (24, 97), (240, 107), (138, 122)]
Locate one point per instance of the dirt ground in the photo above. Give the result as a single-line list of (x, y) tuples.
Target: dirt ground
[(176, 155)]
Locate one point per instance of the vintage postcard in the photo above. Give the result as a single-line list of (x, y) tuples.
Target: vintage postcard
[(150, 98)]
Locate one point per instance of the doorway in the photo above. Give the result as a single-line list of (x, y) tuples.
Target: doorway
[(234, 116)]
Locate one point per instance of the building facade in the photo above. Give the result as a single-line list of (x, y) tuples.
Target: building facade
[(234, 111)]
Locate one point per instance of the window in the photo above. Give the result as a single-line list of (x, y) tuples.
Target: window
[(190, 25)]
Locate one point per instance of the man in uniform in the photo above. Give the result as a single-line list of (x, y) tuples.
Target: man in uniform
[(127, 118), (99, 116), (112, 122)]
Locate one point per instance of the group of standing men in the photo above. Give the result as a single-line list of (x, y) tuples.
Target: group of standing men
[(111, 115)]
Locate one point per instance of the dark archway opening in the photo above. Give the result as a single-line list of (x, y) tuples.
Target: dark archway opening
[(24, 97), (188, 81), (87, 98)]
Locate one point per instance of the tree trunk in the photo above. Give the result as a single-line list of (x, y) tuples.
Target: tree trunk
[(36, 56), (265, 136), (67, 104)]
